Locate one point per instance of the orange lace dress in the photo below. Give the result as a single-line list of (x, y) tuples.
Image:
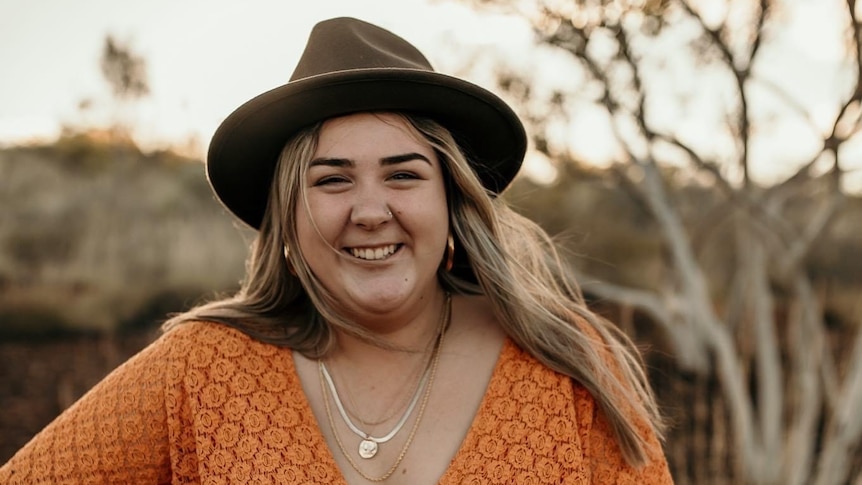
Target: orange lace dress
[(207, 404)]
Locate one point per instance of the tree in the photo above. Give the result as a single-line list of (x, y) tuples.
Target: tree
[(126, 74), (125, 71), (754, 320)]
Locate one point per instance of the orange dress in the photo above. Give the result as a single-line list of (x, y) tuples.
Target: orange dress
[(207, 404)]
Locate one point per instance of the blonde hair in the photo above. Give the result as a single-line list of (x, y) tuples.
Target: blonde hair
[(502, 255)]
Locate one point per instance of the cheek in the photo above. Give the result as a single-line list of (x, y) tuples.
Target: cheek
[(439, 214), (321, 222), (433, 216), (310, 224), (440, 205), (303, 226)]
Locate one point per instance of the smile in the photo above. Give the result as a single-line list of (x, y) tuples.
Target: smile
[(374, 254)]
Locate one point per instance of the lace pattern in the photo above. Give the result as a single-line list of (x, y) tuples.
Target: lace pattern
[(207, 404)]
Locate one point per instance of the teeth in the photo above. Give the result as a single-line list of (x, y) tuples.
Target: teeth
[(373, 254)]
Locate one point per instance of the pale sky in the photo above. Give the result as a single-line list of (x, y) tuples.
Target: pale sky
[(206, 57)]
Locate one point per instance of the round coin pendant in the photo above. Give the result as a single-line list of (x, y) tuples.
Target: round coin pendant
[(367, 449)]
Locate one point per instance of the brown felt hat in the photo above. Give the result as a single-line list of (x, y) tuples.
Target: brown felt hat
[(351, 66)]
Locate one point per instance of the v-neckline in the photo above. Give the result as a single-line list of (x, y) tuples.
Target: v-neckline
[(319, 441)]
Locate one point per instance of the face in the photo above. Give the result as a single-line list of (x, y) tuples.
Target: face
[(374, 224)]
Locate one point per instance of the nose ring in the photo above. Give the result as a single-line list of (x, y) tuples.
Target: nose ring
[(389, 213)]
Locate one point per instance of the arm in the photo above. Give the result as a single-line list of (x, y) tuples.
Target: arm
[(116, 433)]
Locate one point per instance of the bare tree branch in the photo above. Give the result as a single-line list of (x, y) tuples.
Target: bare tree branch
[(845, 428), (806, 352), (740, 75), (798, 250), (757, 327)]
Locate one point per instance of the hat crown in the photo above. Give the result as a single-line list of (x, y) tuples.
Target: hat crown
[(351, 66), (344, 44)]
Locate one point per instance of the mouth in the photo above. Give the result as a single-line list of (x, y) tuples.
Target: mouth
[(374, 254)]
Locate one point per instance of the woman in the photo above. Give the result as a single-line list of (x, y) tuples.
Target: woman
[(397, 323)]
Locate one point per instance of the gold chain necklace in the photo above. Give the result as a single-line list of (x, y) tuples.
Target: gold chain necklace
[(432, 372), (368, 446), (350, 405)]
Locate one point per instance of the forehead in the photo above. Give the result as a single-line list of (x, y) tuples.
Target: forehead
[(371, 134)]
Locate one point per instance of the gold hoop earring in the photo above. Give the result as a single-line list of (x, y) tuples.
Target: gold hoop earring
[(450, 252)]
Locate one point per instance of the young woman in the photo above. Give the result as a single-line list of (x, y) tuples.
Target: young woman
[(398, 323)]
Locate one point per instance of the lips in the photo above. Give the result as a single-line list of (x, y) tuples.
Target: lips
[(375, 253)]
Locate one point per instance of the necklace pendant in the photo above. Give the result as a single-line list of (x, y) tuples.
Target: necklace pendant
[(367, 449)]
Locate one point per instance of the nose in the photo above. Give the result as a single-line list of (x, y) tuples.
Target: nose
[(370, 214)]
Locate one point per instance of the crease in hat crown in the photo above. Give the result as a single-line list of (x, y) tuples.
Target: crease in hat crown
[(330, 42), (350, 66)]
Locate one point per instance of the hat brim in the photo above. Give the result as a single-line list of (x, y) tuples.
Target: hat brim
[(246, 146)]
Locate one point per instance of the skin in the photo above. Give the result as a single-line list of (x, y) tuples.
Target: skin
[(366, 166), (374, 187)]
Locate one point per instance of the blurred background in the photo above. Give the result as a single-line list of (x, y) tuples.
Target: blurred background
[(699, 161)]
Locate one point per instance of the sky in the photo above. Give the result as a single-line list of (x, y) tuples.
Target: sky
[(205, 58)]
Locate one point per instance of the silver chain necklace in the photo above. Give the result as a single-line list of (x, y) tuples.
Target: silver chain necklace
[(368, 446)]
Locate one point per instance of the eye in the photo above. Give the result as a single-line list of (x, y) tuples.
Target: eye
[(330, 180), (404, 176)]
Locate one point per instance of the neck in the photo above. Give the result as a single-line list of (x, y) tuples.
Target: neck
[(408, 334)]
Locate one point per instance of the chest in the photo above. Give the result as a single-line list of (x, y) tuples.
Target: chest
[(500, 424), (417, 445)]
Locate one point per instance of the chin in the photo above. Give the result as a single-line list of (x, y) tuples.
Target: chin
[(380, 302), (383, 298), (385, 293)]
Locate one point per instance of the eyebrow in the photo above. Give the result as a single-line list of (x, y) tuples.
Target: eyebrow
[(391, 160)]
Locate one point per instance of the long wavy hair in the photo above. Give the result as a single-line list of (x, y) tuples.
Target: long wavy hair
[(500, 254)]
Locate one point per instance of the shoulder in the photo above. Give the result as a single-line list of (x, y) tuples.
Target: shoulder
[(521, 377), (524, 380), (521, 365), (200, 337), (569, 415), (201, 332), (203, 352)]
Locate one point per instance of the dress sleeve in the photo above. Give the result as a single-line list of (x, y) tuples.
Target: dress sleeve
[(606, 462), (116, 433)]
